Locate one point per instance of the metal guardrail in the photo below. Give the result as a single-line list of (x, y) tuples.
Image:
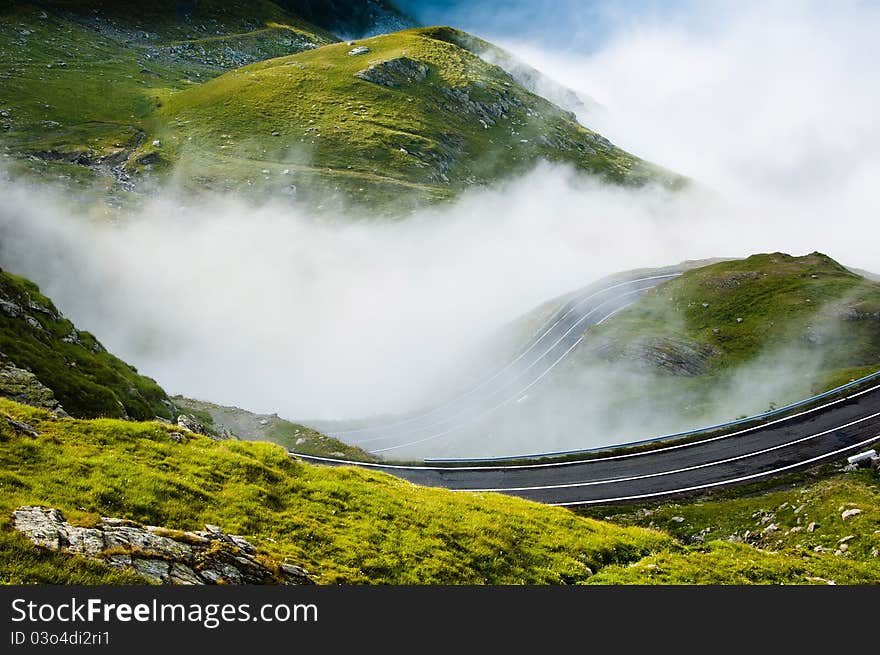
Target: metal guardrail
[(668, 437)]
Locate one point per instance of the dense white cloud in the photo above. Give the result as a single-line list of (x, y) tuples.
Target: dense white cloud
[(772, 109)]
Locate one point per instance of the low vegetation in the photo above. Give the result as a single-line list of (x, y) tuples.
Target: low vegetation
[(350, 525), (86, 379), (783, 533), (133, 97), (345, 525)]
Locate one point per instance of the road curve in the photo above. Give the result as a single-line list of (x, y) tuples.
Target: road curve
[(831, 431), (559, 337)]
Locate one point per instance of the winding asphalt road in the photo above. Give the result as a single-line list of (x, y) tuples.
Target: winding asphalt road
[(559, 337), (831, 429)]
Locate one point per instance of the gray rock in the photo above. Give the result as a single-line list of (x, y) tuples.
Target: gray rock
[(23, 428), (850, 513), (155, 570), (360, 50), (160, 555), (394, 73), (189, 422), (44, 526), (244, 544), (295, 573), (85, 541), (183, 574), (10, 308)]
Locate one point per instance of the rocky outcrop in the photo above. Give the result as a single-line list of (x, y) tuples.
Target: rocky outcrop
[(394, 73), (162, 556), (22, 386), (662, 354), (492, 107), (860, 314), (191, 423)]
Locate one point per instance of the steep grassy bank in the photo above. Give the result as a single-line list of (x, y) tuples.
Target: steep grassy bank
[(356, 526), (68, 364), (792, 532), (346, 525)]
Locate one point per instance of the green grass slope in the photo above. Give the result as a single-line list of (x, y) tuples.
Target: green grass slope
[(248, 426), (753, 334), (346, 525), (414, 113), (86, 379), (355, 526), (791, 533), (79, 80), (112, 97), (739, 310)]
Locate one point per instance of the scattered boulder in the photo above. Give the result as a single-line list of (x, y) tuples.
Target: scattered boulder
[(394, 73), (22, 428), (189, 422), (162, 556), (360, 50), (850, 513)]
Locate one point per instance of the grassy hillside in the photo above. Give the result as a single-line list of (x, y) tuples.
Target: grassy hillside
[(86, 379), (346, 525), (248, 426), (411, 113), (721, 342), (79, 80), (356, 526), (763, 537), (755, 333), (819, 321), (118, 97)]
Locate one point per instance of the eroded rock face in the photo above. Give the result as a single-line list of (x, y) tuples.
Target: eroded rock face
[(160, 555), (394, 73), (662, 354), (189, 422), (22, 386)]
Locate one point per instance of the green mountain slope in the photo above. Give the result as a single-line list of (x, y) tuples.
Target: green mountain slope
[(733, 312), (405, 112), (356, 526), (345, 525), (724, 341), (120, 97), (737, 338), (79, 80), (66, 364)]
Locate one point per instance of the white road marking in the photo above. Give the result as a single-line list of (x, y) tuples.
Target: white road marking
[(509, 398), (533, 345), (742, 478), (403, 467), (680, 470)]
